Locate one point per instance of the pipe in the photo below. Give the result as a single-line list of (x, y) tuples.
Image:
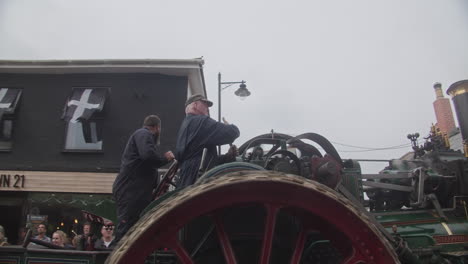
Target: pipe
[(459, 93)]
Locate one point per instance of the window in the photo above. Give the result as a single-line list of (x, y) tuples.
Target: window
[(83, 113), (9, 98)]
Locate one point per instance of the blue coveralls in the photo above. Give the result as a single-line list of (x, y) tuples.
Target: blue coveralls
[(132, 189), (196, 133)]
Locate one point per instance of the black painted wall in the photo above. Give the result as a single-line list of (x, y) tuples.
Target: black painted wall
[(39, 133)]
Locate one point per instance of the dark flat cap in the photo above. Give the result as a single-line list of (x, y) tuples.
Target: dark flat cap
[(198, 97)]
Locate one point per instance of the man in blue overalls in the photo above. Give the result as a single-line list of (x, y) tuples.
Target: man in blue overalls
[(199, 131), (133, 186)]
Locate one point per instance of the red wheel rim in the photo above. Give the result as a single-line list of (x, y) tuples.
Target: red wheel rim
[(347, 229)]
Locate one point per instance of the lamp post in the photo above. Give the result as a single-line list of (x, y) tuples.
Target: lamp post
[(242, 92)]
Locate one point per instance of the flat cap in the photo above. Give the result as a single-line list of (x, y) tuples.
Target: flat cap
[(198, 97)]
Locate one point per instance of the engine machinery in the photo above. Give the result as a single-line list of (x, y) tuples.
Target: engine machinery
[(295, 200)]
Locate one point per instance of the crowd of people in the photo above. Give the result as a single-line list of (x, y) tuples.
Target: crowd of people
[(87, 240), (133, 186)]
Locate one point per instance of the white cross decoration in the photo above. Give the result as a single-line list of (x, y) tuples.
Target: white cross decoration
[(81, 105), (3, 92)]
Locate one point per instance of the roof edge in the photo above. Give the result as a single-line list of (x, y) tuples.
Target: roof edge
[(197, 62)]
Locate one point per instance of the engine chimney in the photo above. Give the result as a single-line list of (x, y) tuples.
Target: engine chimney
[(459, 93), (443, 111)]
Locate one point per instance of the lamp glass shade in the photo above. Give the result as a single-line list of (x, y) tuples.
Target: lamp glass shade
[(242, 92)]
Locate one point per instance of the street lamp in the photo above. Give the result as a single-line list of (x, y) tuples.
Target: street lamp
[(242, 92)]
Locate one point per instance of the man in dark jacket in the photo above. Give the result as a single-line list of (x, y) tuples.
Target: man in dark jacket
[(133, 186), (199, 131)]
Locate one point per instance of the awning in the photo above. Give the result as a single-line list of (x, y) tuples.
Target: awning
[(99, 204), (83, 103)]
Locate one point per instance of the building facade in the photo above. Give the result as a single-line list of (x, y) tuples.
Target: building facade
[(64, 125)]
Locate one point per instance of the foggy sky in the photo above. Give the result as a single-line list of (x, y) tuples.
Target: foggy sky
[(358, 72)]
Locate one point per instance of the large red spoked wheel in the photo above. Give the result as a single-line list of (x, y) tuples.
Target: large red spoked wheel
[(256, 217)]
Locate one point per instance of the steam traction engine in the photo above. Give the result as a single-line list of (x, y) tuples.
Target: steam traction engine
[(295, 200), (287, 202)]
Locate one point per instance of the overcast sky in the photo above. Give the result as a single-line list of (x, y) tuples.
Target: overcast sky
[(358, 72)]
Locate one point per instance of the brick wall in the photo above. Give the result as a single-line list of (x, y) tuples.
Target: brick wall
[(444, 115)]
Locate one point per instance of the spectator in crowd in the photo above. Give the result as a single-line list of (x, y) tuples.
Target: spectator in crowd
[(22, 231), (3, 239), (86, 228), (59, 238), (107, 232), (41, 233), (87, 239), (76, 241)]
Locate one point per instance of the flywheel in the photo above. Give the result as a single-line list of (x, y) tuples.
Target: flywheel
[(256, 217)]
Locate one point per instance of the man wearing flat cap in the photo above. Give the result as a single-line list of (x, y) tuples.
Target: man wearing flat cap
[(199, 131)]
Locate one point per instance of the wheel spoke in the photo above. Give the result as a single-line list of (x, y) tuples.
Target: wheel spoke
[(299, 248), (180, 251), (270, 223), (202, 240), (224, 241), (355, 258)]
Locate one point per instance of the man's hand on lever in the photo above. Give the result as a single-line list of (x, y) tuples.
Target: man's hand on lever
[(169, 156), (233, 152)]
